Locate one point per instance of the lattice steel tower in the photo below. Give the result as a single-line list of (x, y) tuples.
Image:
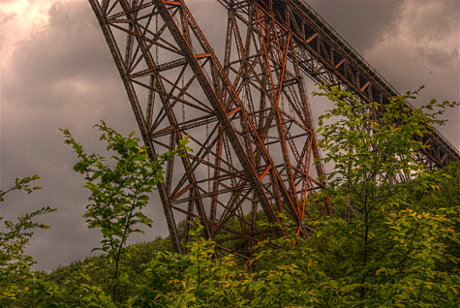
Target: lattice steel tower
[(246, 113)]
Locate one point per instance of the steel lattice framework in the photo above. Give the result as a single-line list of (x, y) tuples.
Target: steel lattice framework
[(246, 114)]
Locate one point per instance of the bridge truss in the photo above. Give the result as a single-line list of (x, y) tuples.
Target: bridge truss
[(246, 114)]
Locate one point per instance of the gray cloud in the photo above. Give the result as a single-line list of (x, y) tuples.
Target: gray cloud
[(62, 76), (360, 22), (410, 42), (423, 50)]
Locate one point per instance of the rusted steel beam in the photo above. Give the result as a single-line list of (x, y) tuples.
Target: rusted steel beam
[(338, 63), (101, 14), (248, 118), (216, 103)]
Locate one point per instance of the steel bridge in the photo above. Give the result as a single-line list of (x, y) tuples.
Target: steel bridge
[(246, 113)]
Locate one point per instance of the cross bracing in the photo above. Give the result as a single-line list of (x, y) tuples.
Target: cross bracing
[(246, 114)]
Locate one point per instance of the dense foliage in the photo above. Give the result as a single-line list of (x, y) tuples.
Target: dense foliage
[(119, 191), (393, 241)]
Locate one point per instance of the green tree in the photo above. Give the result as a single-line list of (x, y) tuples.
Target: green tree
[(447, 195), (15, 273), (380, 249), (392, 243), (193, 280), (119, 190), (373, 149), (373, 146)]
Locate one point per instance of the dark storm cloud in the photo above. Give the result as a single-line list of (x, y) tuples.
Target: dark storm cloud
[(410, 42), (423, 50), (62, 76), (60, 56), (435, 24), (360, 22)]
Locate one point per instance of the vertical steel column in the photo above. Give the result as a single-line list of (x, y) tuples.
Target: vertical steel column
[(248, 120)]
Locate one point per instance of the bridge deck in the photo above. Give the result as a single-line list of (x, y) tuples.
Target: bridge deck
[(327, 57)]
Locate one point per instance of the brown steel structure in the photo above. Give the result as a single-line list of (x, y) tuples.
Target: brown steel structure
[(246, 114)]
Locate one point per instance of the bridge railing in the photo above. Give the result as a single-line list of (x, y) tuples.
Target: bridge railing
[(320, 21), (347, 47)]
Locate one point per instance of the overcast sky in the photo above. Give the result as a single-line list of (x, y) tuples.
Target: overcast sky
[(56, 72)]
